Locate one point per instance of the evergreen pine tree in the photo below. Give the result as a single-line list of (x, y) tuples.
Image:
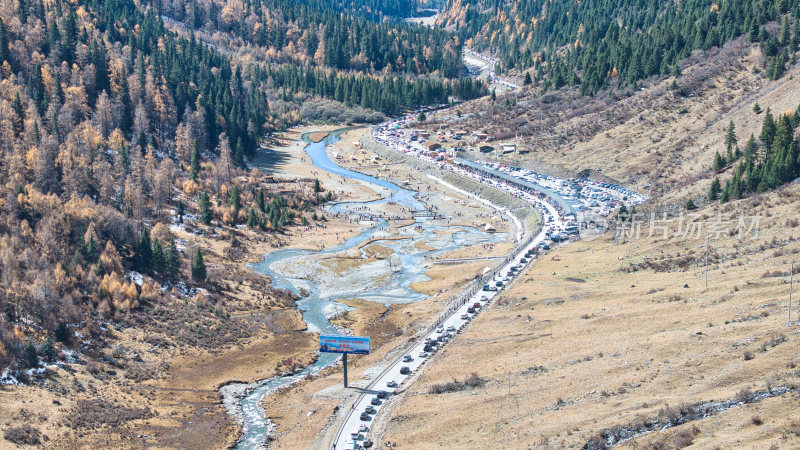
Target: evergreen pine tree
[(768, 130), (48, 350), (205, 208), (31, 354), (195, 162), (252, 219), (198, 267), (750, 151), (730, 137), (172, 262), (144, 252), (235, 199), (62, 332), (159, 262), (90, 249), (4, 54), (19, 118), (719, 161), (726, 193), (713, 191)]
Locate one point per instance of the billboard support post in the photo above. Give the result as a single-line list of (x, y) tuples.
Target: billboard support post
[(344, 363), (357, 345)]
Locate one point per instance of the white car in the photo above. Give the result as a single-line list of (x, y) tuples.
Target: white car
[(391, 383)]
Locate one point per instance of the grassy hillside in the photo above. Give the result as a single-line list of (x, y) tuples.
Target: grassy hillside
[(637, 339), (660, 140), (640, 346)]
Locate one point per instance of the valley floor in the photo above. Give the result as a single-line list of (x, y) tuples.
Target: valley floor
[(171, 399), (636, 338)]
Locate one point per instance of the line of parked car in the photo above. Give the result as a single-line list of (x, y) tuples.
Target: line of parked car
[(557, 224)]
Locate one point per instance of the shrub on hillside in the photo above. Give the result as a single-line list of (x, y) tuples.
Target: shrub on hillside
[(334, 112), (454, 386), (24, 435)]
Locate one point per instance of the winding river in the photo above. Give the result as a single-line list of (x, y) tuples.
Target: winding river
[(404, 267)]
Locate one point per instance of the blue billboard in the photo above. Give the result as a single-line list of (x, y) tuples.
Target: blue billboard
[(353, 345)]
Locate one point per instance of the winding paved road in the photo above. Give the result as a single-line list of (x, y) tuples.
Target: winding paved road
[(344, 439), (484, 67), (348, 435)]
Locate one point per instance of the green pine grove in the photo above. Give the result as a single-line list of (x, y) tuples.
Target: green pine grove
[(598, 44), (766, 163)]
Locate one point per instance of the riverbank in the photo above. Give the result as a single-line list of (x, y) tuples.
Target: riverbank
[(357, 205), (176, 384), (302, 411), (168, 389), (163, 375)]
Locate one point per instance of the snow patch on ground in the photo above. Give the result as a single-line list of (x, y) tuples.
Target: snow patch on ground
[(7, 378), (334, 309), (136, 277)]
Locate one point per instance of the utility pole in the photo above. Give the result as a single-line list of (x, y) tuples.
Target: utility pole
[(344, 364), (541, 122), (707, 261), (791, 279)]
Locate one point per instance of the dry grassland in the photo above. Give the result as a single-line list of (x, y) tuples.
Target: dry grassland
[(635, 336)]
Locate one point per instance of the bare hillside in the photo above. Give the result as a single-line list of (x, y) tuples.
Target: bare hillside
[(618, 339), (638, 344)]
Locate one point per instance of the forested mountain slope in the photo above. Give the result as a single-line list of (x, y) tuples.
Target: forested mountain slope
[(115, 126), (325, 34), (597, 43), (127, 209)]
